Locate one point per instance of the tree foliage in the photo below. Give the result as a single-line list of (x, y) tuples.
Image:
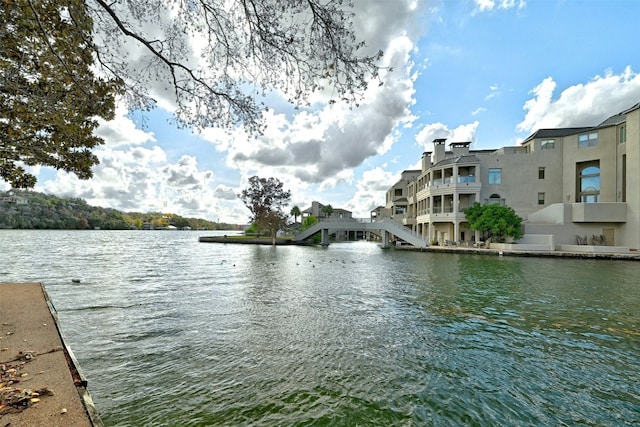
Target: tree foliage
[(210, 59), (243, 48), (310, 221), (327, 210), (32, 210), (266, 198), (497, 222), (295, 213), (49, 96)]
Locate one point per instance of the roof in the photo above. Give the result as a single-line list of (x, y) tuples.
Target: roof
[(340, 210), (555, 133), (457, 160), (320, 206), (613, 120), (560, 132), (621, 117)]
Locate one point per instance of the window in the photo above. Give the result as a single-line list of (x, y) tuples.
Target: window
[(495, 176), (540, 173), (495, 199), (588, 140), (623, 134), (548, 144), (398, 192), (541, 198), (589, 181)]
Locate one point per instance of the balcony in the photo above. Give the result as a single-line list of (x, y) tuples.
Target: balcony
[(450, 185), (599, 212), (438, 214)]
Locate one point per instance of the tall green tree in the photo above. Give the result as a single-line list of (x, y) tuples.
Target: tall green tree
[(266, 199), (327, 210), (497, 222), (295, 212), (49, 95)]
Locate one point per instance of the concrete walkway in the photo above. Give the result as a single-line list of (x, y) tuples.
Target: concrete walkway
[(628, 256), (40, 383)]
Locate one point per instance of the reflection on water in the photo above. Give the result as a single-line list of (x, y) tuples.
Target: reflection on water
[(171, 332)]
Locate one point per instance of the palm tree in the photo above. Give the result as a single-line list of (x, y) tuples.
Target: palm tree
[(295, 211), (327, 210)]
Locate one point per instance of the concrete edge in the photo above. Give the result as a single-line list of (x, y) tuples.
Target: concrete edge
[(629, 256), (79, 379)]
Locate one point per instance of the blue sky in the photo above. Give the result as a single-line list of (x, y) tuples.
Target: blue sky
[(486, 71)]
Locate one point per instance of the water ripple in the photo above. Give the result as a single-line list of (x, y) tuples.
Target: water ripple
[(173, 332)]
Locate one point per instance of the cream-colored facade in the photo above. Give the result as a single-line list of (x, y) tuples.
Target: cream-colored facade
[(565, 183)]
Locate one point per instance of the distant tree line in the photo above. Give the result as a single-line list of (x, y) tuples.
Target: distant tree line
[(31, 210)]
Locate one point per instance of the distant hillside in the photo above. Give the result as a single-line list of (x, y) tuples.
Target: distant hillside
[(28, 209)]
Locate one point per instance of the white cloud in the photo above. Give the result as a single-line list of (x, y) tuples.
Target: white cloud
[(225, 193), (323, 145), (582, 104), (462, 133), (465, 133), (489, 5), (494, 90), (370, 191), (141, 179), (122, 131)]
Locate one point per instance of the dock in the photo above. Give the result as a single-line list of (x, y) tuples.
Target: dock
[(41, 383)]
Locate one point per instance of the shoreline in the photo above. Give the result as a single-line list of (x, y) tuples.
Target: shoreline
[(252, 241), (631, 256)]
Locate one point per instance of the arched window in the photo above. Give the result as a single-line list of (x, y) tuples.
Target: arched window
[(589, 180), (495, 199)]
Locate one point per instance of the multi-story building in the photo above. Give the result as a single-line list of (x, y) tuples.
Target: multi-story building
[(564, 183)]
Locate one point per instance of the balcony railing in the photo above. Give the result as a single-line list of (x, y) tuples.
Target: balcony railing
[(449, 180), (469, 178)]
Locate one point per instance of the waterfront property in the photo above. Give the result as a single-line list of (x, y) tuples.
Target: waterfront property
[(575, 188)]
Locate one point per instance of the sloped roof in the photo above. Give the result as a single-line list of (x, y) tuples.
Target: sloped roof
[(613, 120), (340, 210), (559, 132), (320, 206), (555, 133), (616, 119), (457, 160)]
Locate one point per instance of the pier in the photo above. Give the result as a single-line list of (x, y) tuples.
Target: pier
[(41, 383)]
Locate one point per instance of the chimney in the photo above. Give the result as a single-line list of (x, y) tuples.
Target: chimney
[(426, 160), (439, 148), (460, 148)]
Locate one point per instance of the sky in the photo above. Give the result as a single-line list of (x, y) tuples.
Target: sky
[(487, 71)]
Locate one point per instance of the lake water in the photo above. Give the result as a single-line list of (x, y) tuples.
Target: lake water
[(173, 332)]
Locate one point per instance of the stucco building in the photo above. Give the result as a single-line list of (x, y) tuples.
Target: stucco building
[(565, 183)]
